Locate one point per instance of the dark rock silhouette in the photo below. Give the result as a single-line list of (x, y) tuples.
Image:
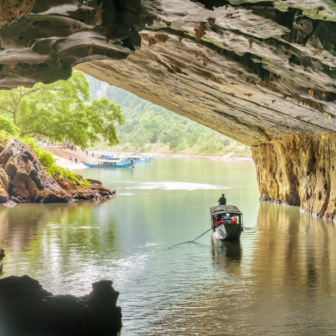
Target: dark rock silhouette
[(27, 309)]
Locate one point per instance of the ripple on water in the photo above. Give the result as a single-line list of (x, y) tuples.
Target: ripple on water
[(173, 185)]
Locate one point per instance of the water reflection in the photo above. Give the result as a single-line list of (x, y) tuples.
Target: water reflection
[(54, 243), (279, 280)]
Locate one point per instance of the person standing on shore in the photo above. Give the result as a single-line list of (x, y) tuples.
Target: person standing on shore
[(92, 154), (76, 158), (87, 153), (70, 158)]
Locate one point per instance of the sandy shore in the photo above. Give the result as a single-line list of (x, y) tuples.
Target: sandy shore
[(68, 164)]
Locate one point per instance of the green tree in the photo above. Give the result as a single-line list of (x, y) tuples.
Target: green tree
[(63, 110), (139, 138), (173, 136), (153, 124), (8, 125)]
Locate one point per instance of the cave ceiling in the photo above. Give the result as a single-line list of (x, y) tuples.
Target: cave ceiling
[(253, 70)]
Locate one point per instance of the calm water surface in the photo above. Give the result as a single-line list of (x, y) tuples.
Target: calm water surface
[(279, 280)]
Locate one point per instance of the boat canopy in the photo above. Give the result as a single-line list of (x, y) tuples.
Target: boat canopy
[(216, 210)]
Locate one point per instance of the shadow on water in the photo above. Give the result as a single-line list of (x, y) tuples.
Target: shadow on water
[(45, 241)]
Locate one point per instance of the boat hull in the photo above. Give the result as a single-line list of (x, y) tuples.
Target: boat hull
[(233, 232), (125, 165)]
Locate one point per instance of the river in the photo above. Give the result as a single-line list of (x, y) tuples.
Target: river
[(279, 280)]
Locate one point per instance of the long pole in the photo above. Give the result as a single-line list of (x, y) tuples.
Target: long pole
[(191, 241)]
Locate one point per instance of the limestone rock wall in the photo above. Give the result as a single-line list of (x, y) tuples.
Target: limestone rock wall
[(14, 9), (299, 170)]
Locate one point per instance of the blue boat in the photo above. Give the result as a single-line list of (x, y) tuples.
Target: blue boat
[(132, 158), (113, 163)]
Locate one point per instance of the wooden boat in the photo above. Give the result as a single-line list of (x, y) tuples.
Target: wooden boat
[(114, 163), (226, 222)]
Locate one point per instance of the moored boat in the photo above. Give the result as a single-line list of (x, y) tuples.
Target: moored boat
[(113, 163), (132, 158), (226, 222)]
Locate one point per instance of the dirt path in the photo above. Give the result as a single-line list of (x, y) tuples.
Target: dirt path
[(65, 153), (62, 155)]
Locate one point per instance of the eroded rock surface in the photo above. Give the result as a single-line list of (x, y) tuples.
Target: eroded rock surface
[(27, 309), (23, 179), (43, 46), (299, 171)]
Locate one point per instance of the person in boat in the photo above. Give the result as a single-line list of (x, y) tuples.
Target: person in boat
[(218, 221), (222, 200), (226, 218), (234, 220)]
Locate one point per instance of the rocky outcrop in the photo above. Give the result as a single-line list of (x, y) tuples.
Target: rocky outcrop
[(23, 179), (299, 171), (27, 309)]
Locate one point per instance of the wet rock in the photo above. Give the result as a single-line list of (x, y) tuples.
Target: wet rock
[(94, 182), (27, 308), (299, 171), (65, 184), (92, 193)]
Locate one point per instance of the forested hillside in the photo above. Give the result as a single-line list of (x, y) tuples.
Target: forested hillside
[(151, 128)]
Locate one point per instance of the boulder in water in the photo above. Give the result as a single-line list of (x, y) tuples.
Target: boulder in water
[(27, 309)]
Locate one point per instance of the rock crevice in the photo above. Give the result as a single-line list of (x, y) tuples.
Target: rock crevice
[(300, 170)]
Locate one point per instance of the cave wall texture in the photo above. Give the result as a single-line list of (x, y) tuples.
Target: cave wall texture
[(261, 72)]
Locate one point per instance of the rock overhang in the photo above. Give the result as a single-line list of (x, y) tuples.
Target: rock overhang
[(253, 70)]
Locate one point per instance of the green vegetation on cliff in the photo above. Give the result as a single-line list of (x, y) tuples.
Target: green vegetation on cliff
[(152, 128)]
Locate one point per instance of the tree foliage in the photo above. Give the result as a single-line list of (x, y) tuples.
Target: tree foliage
[(173, 136), (8, 126), (62, 110), (153, 124)]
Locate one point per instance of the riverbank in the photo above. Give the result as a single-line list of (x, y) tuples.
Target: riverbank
[(232, 152), (62, 155)]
